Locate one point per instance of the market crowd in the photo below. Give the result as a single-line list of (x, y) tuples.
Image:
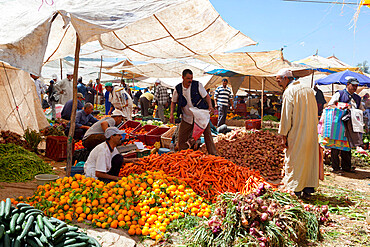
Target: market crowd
[(307, 120)]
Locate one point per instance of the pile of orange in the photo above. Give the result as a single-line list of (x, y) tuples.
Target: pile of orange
[(78, 145), (143, 204), (142, 131), (128, 130)]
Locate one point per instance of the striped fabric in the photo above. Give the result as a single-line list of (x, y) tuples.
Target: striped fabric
[(333, 124), (223, 95)]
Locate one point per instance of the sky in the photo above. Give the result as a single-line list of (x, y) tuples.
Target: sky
[(301, 28)]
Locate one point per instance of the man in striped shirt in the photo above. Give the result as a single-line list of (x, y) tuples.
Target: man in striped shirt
[(223, 96)]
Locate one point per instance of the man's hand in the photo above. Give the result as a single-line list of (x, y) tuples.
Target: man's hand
[(110, 112), (211, 110), (153, 104), (85, 127)]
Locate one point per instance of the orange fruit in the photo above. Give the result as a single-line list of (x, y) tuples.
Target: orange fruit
[(75, 185), (138, 231), (114, 224), (131, 231), (79, 210)]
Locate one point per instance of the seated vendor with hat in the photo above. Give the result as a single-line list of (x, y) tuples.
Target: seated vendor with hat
[(104, 161), (95, 134)]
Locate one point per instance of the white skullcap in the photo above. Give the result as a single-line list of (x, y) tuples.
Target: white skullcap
[(285, 73), (69, 73), (158, 81), (54, 76)]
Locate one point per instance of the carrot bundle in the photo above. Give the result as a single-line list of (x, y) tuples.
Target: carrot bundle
[(207, 175)]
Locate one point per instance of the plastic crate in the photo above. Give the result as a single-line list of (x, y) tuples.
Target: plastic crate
[(155, 135), (56, 147), (130, 155), (167, 137), (142, 137), (143, 153), (253, 124), (130, 124)]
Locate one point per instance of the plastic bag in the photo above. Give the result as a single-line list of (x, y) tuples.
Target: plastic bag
[(201, 121)]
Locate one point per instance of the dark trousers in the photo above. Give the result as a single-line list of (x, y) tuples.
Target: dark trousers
[(222, 113), (79, 133), (117, 162), (185, 132), (346, 159), (144, 105), (93, 140)]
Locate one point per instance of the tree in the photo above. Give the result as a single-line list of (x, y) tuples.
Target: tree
[(363, 67)]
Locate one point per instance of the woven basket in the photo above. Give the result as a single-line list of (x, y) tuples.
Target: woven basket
[(167, 137)]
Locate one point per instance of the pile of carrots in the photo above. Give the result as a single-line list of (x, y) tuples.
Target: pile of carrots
[(207, 175), (253, 183)]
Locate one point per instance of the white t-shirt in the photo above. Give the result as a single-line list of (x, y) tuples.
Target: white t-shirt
[(100, 159), (187, 115)]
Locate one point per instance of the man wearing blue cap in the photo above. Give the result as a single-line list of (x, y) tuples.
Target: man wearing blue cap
[(104, 161), (349, 96)]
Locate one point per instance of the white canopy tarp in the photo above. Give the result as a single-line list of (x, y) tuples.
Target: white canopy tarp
[(253, 67), (172, 82), (20, 105), (32, 33), (164, 70)]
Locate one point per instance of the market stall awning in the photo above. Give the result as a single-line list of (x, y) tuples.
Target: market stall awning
[(141, 30), (342, 77), (261, 64), (327, 65)]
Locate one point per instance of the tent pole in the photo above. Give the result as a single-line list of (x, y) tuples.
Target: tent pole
[(263, 89), (61, 68), (332, 89), (313, 72), (74, 108), (101, 66), (249, 90)]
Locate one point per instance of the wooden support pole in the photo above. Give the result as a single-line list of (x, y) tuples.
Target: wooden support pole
[(263, 89), (61, 68), (74, 108), (332, 89), (313, 72), (249, 90)]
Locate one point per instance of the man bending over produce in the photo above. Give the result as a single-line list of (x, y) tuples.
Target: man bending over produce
[(95, 134), (298, 126), (189, 94), (104, 161)]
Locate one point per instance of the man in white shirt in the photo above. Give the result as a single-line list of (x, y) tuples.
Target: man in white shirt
[(95, 134), (40, 86), (105, 162), (65, 88), (189, 94)]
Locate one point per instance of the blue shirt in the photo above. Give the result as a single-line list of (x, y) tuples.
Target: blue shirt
[(83, 119), (67, 109), (107, 103), (81, 88), (223, 95)]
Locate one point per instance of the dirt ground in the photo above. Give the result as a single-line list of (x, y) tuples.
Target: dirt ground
[(348, 197)]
